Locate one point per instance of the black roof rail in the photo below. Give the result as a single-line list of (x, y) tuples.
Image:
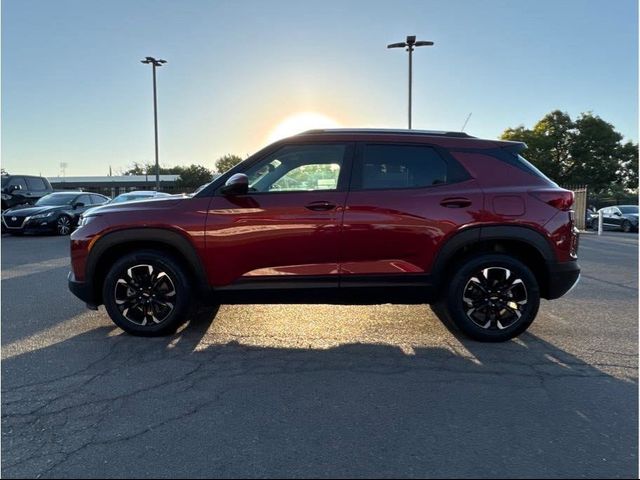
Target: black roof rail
[(387, 131)]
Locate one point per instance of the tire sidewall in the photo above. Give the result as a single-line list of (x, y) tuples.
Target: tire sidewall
[(459, 281), (181, 283)]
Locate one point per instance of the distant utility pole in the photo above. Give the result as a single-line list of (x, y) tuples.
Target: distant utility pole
[(155, 63), (464, 125), (410, 44), (63, 168)]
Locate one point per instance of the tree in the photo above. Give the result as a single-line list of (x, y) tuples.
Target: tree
[(193, 176), (585, 151), (628, 170), (227, 162)]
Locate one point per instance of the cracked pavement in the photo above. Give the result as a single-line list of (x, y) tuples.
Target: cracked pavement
[(318, 391)]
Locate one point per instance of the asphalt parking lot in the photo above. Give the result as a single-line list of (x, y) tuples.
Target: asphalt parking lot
[(318, 391)]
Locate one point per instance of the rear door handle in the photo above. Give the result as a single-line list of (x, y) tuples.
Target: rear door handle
[(457, 202), (320, 206)]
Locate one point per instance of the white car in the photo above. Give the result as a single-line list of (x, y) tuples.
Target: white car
[(136, 195)]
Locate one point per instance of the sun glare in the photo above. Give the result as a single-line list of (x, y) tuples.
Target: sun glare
[(299, 123)]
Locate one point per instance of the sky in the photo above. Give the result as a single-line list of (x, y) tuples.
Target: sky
[(74, 90)]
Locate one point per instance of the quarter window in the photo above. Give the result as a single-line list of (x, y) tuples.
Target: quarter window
[(401, 166)]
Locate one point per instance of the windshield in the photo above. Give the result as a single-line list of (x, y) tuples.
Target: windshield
[(5, 179), (57, 199), (629, 209)]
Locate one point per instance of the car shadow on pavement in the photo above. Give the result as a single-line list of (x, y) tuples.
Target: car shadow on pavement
[(105, 404)]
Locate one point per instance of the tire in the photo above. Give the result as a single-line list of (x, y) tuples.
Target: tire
[(491, 298), (626, 226), (169, 297), (63, 225)]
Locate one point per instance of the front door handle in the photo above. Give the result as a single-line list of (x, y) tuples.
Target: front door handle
[(455, 202), (320, 206)]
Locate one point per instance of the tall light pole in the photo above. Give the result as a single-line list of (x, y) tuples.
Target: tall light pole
[(155, 63), (410, 44)]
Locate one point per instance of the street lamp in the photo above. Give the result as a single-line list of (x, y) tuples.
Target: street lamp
[(410, 44), (155, 63)]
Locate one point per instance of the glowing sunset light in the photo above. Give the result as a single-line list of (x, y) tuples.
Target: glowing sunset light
[(300, 122)]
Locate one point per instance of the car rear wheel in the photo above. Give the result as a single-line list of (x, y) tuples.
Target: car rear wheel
[(626, 226), (148, 293), (491, 298), (63, 225)]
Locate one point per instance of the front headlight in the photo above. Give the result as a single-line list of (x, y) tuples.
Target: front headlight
[(42, 215), (85, 220)]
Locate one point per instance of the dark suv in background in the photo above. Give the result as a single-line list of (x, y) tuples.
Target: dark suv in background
[(23, 189), (342, 216)]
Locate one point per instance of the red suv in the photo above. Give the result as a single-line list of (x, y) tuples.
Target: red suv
[(347, 217)]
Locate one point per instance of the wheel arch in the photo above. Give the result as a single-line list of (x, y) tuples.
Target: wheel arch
[(115, 244), (526, 244)]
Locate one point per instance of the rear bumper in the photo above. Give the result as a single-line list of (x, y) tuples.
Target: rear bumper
[(562, 278), (83, 291)]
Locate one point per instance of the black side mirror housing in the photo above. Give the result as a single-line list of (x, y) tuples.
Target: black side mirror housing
[(78, 205), (237, 184)]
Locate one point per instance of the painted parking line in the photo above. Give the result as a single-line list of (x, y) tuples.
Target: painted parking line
[(37, 267)]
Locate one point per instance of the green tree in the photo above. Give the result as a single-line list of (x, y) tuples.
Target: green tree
[(193, 176), (227, 162), (585, 151), (628, 170), (150, 169)]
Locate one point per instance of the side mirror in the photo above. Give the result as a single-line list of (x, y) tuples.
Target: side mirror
[(237, 184), (13, 188), (78, 205)]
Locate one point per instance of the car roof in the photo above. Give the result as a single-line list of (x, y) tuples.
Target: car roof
[(439, 137), (141, 192)]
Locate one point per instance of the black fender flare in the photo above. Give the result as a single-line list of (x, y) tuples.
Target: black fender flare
[(473, 235), (170, 238)]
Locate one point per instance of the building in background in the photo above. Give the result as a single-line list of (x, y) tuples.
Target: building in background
[(115, 185)]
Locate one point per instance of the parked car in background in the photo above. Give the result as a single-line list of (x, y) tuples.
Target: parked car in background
[(591, 219), (57, 212), (620, 217), (138, 195), (23, 189), (132, 197), (347, 217)]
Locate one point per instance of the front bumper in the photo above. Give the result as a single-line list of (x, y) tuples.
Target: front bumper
[(31, 225), (83, 291), (562, 278)]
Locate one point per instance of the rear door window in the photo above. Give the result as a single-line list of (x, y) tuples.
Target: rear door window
[(399, 167)]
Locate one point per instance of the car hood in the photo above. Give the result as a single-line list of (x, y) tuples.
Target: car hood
[(30, 210), (135, 205)]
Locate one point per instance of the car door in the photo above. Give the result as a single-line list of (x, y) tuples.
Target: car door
[(607, 217), (81, 204), (616, 217), (287, 225), (403, 199)]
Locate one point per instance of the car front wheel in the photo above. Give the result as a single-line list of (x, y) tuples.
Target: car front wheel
[(491, 298), (148, 293), (63, 225)]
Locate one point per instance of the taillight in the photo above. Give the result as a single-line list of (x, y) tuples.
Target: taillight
[(560, 199)]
